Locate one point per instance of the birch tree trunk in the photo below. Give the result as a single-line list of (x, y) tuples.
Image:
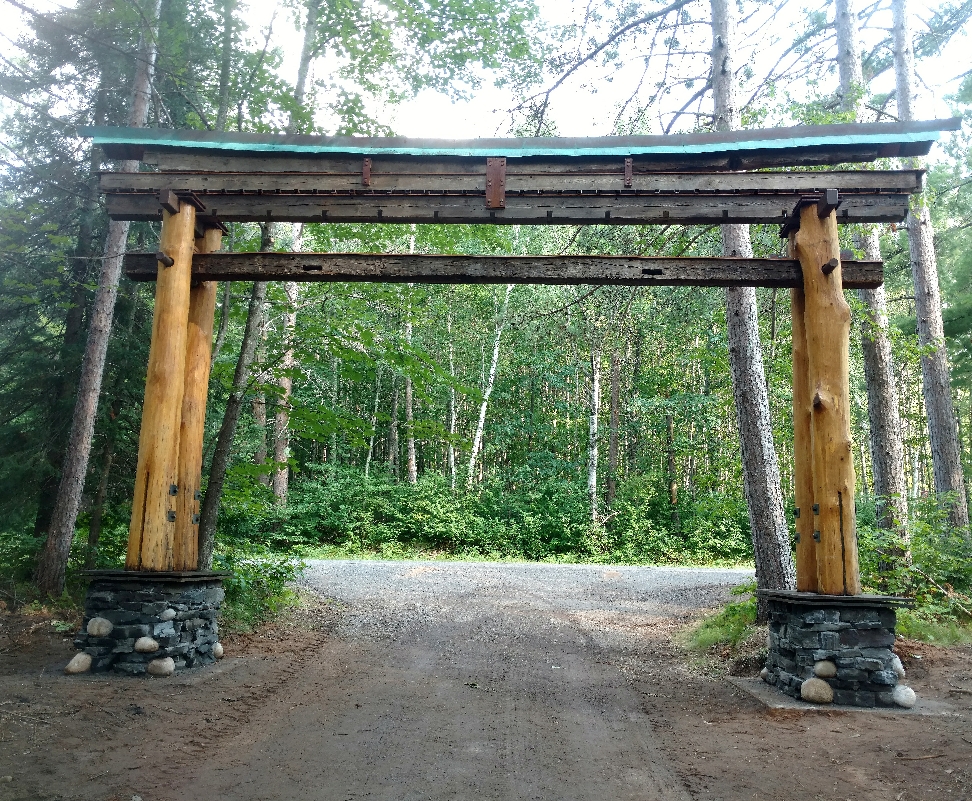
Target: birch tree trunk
[(451, 445), (611, 488), (592, 429), (411, 463), (393, 431), (52, 561), (935, 372), (281, 428), (761, 472), (258, 405), (374, 423), (886, 446), (488, 389)]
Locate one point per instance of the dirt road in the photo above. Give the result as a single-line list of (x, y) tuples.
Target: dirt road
[(408, 681)]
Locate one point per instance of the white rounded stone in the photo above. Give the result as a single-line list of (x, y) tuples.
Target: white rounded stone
[(161, 667), (817, 691), (904, 696), (825, 669), (81, 663), (764, 674), (146, 645), (897, 667), (218, 650), (167, 614), (99, 627)]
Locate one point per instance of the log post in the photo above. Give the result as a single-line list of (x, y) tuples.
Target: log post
[(827, 325), (199, 346), (150, 536), (806, 548)]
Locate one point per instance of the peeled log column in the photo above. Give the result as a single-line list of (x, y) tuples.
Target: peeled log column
[(827, 323), (806, 549), (150, 536), (199, 347)]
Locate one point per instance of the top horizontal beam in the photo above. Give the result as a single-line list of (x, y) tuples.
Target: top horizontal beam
[(803, 144)]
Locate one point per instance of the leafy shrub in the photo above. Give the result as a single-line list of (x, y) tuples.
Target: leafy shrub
[(257, 588), (729, 626)]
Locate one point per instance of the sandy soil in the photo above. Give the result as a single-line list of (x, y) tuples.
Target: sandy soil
[(402, 681)]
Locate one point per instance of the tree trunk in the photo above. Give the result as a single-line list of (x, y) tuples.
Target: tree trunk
[(226, 305), (671, 469), (488, 390), (98, 509), (451, 445), (226, 64), (593, 441), (611, 488), (258, 406), (281, 439), (412, 466), (307, 52), (393, 431), (887, 449), (935, 371), (227, 431), (52, 562), (374, 423), (761, 473)]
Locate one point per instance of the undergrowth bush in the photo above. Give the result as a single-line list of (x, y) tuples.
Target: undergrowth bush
[(339, 510), (258, 585)]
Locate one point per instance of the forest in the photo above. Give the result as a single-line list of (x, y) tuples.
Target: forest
[(574, 423)]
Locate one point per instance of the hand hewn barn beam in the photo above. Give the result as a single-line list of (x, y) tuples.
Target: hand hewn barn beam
[(547, 209), (619, 270)]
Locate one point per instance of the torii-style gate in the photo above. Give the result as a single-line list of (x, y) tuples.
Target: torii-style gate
[(197, 181)]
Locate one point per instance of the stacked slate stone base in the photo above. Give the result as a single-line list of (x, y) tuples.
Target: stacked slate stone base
[(156, 623), (835, 649)]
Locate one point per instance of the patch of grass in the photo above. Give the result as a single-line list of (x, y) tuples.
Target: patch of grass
[(917, 626), (730, 626)]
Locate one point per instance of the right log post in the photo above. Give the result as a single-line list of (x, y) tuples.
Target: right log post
[(821, 395)]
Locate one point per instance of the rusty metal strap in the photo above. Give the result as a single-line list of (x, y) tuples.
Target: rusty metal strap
[(496, 183)]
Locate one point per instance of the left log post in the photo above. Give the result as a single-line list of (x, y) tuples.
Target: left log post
[(152, 530), (826, 318), (199, 349)]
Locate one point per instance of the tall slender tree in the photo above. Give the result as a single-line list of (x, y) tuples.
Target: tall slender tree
[(887, 446), (53, 559), (761, 472), (935, 371)]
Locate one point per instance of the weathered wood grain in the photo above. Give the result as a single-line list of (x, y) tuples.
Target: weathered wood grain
[(409, 178), (618, 270), (827, 324), (199, 346), (547, 209), (150, 536), (806, 546)]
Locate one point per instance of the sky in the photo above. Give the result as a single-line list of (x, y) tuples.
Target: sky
[(577, 111)]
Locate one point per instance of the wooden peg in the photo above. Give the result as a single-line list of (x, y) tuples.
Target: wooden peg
[(169, 201), (164, 259), (829, 266), (827, 203)]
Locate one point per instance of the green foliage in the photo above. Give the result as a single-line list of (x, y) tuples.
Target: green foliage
[(505, 519), (258, 586), (729, 626)]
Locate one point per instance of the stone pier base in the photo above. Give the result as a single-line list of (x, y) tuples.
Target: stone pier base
[(138, 622), (842, 640)]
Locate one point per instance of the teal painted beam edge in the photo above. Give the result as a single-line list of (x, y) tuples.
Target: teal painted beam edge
[(626, 146)]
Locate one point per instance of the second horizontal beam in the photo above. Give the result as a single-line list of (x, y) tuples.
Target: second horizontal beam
[(608, 270)]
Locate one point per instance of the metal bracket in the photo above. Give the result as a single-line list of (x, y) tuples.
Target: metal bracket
[(195, 520), (826, 202), (816, 508), (816, 536), (496, 183), (366, 172), (798, 536), (197, 495), (628, 173), (173, 489), (796, 511), (170, 516)]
